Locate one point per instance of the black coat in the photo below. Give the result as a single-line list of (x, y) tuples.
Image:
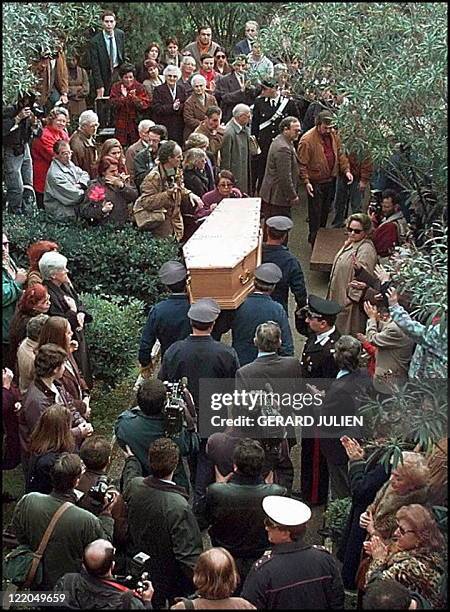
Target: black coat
[(162, 111), (99, 58), (268, 368), (60, 308), (262, 112), (294, 576), (228, 93), (196, 181), (317, 360), (292, 278), (365, 482)]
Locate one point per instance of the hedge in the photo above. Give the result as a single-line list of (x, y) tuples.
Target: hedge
[(113, 336), (102, 260)]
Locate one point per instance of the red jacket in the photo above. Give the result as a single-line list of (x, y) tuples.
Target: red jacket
[(42, 154)]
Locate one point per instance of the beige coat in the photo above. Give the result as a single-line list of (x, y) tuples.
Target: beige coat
[(352, 319), (155, 195), (194, 112), (394, 353)]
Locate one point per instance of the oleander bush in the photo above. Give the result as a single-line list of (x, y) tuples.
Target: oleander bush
[(101, 260)]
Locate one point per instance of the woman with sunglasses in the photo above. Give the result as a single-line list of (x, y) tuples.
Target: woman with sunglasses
[(221, 65), (416, 558), (358, 251)]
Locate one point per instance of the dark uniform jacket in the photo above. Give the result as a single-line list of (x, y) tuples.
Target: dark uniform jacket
[(139, 431), (100, 61), (161, 524), (167, 322), (294, 576), (258, 308), (198, 357), (235, 515), (292, 279), (262, 112), (318, 359)]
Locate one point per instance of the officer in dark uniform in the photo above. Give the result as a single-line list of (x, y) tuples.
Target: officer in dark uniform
[(317, 361), (167, 321), (292, 575), (258, 308), (200, 356), (268, 110), (275, 251)]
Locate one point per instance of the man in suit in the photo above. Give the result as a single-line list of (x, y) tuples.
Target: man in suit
[(275, 251), (232, 88), (268, 110), (317, 361), (107, 53), (235, 151), (258, 308), (244, 46), (279, 189)]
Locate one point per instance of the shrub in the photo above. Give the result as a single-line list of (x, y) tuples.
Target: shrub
[(102, 260), (335, 518), (113, 336)]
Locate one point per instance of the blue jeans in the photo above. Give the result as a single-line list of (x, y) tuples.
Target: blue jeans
[(18, 171), (344, 194)]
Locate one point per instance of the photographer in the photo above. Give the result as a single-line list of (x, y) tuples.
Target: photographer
[(141, 426), (96, 587), (95, 452), (389, 223), (19, 123)]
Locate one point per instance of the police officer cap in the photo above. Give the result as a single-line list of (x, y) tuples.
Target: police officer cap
[(172, 272), (268, 273), (320, 306), (285, 510), (280, 223), (270, 83), (204, 310)]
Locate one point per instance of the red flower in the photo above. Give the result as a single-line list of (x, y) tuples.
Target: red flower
[(97, 193)]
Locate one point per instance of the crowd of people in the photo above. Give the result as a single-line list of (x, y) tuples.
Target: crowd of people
[(195, 126)]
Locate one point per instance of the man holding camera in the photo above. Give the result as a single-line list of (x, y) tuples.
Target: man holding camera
[(96, 586), (390, 225), (19, 122)]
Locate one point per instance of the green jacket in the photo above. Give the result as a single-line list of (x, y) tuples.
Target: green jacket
[(11, 292), (73, 532), (161, 523)]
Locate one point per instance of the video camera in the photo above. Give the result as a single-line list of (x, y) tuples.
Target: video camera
[(139, 571), (94, 499), (179, 410), (29, 100), (375, 202)]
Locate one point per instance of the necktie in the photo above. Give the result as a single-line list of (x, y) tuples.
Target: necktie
[(111, 52)]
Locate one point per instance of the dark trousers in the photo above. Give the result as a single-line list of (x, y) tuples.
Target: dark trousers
[(40, 200), (319, 207)]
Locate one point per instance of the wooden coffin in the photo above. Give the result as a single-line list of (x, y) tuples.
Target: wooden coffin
[(328, 242), (222, 255)]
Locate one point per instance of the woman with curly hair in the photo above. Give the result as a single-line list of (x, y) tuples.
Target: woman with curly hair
[(112, 148), (34, 253), (416, 558)]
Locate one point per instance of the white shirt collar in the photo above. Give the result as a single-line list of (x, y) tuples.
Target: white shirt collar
[(322, 338)]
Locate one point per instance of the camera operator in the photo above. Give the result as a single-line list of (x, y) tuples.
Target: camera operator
[(19, 124), (96, 586), (95, 452), (141, 426), (390, 225)]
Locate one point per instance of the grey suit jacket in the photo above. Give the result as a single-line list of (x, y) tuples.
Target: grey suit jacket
[(281, 179)]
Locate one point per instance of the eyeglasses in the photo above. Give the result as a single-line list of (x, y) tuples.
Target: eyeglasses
[(225, 184), (404, 531), (220, 56), (352, 230)]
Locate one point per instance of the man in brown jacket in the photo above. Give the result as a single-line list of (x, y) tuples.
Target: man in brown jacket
[(212, 128), (279, 189), (82, 142), (321, 159)]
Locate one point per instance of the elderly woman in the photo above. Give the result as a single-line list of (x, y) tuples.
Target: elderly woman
[(358, 252), (196, 105), (163, 193), (42, 149), (416, 558), (343, 398), (168, 103), (216, 579), (66, 303), (200, 141), (82, 142), (13, 279), (108, 198), (188, 66), (195, 179), (152, 77), (33, 301), (225, 188), (44, 391), (34, 253)]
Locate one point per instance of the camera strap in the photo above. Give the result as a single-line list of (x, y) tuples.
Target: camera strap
[(116, 585)]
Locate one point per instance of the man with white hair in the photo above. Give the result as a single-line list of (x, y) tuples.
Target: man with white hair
[(82, 142), (235, 150), (143, 142), (244, 46), (168, 104), (196, 105)]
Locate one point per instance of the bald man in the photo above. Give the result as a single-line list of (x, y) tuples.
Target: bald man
[(95, 586)]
